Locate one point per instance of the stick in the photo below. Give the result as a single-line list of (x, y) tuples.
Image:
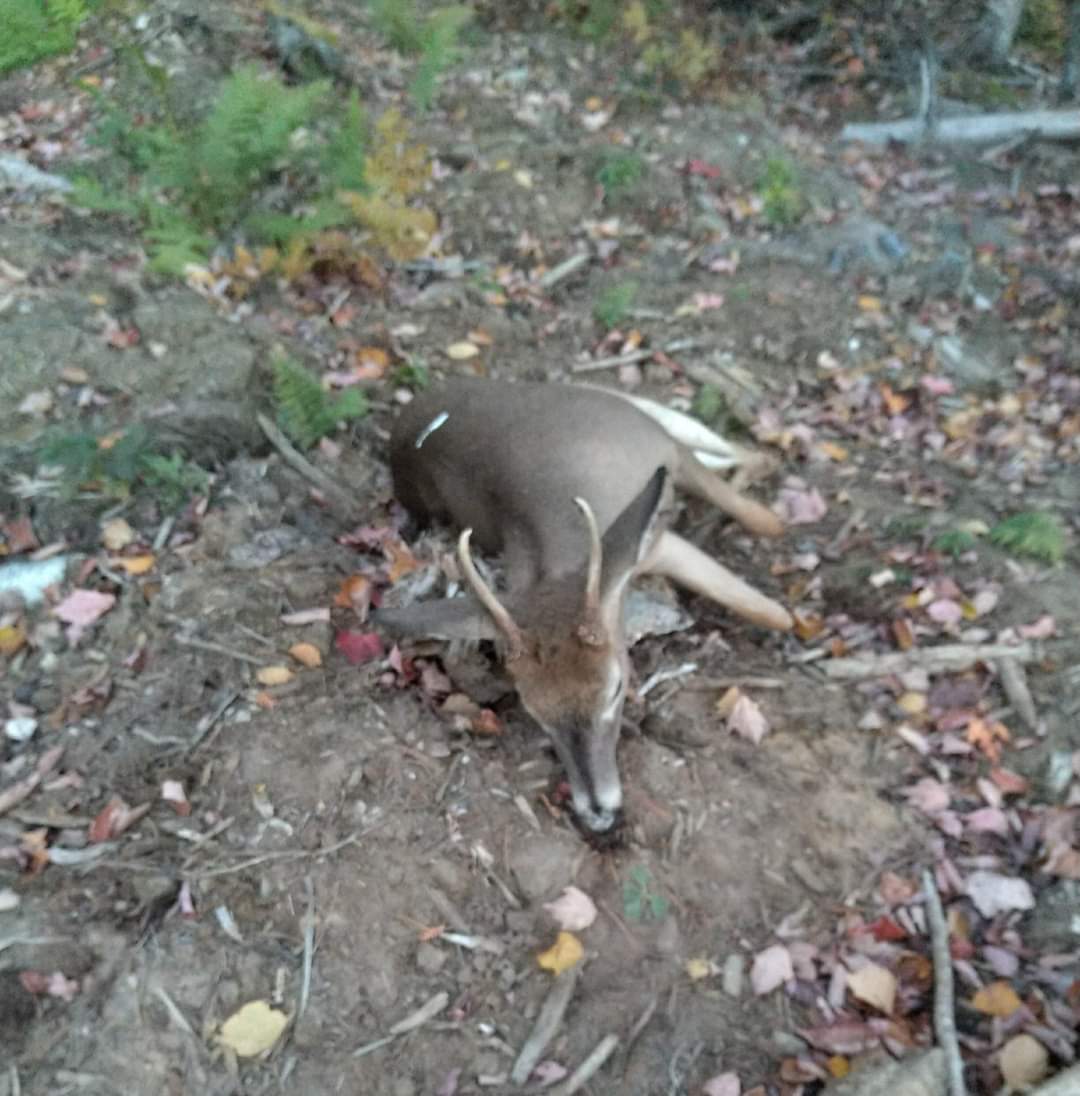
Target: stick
[(425, 1012), (208, 721), (584, 1072), (547, 1023), (217, 649), (944, 1016), (337, 497), (1062, 125), (632, 356), (567, 267), (21, 789), (308, 921), (1014, 682), (949, 658)]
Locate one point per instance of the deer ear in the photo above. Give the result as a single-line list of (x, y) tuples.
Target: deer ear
[(448, 618), (631, 535)]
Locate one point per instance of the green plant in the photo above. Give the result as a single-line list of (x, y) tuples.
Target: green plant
[(434, 40), (614, 304), (641, 901), (619, 172), (782, 199), (35, 29), (1042, 26), (1035, 534), (413, 374), (710, 405), (306, 411), (188, 185), (955, 542), (116, 464)]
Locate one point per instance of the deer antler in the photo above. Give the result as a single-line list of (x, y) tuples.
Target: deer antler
[(486, 596), (590, 629)]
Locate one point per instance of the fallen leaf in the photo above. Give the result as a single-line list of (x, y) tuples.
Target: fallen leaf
[(135, 565), (874, 986), (307, 654), (987, 820), (117, 534), (253, 1029), (747, 720), (997, 999), (172, 791), (307, 616), (945, 611), (462, 351), (838, 1066), (12, 638), (912, 703), (1008, 782), (274, 675), (82, 608), (573, 910), (798, 506), (993, 893), (562, 955), (987, 737), (56, 984), (355, 593), (723, 1084), (1043, 628), (18, 536), (115, 818), (699, 968), (402, 561), (359, 647), (867, 303), (37, 404), (548, 1072), (929, 795), (771, 969), (1023, 1061), (833, 451)]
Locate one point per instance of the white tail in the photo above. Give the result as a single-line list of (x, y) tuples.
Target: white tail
[(573, 485)]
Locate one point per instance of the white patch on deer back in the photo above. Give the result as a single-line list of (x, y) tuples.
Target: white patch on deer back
[(431, 427)]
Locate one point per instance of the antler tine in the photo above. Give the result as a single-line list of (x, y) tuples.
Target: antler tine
[(486, 596), (596, 559)]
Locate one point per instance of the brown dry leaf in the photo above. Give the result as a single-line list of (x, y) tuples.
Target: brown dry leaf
[(902, 633), (274, 675), (74, 375), (895, 403), (371, 362), (265, 701), (808, 626), (12, 638), (562, 955), (115, 818), (253, 1029), (480, 337), (996, 999), (172, 791), (135, 565), (402, 561), (116, 534), (833, 451), (874, 986), (486, 724), (462, 351), (1023, 1061), (307, 654), (868, 304), (987, 737), (726, 704)]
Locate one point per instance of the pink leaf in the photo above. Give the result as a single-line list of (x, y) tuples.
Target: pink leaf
[(703, 302), (987, 820), (1042, 628), (573, 910), (747, 720), (1003, 962), (801, 507), (548, 1072), (935, 385), (944, 611), (359, 647), (772, 968), (172, 791), (930, 796), (61, 986), (723, 1084), (80, 609)]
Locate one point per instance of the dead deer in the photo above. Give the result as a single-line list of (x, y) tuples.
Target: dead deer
[(574, 486)]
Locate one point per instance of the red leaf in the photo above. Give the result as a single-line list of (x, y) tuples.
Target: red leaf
[(359, 647), (885, 928), (702, 168)]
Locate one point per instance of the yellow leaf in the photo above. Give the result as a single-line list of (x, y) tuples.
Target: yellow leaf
[(462, 351), (274, 675), (12, 638), (1023, 1061), (116, 534), (874, 986), (307, 654), (135, 565), (696, 969), (523, 178), (838, 1066), (726, 704), (996, 999), (869, 304), (912, 703), (562, 955), (253, 1029), (833, 451)]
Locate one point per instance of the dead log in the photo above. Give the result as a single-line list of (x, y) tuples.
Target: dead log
[(1052, 125)]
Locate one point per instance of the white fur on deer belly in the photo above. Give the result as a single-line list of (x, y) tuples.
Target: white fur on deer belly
[(439, 420)]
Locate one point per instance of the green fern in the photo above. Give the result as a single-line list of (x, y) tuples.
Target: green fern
[(1034, 534), (614, 304), (434, 40), (33, 30), (306, 411)]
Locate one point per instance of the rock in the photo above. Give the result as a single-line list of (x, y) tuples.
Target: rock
[(430, 959), (733, 976), (543, 864), (915, 1075), (1053, 926), (969, 367)]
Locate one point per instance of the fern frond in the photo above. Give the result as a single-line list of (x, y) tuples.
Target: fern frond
[(1035, 534), (306, 411)]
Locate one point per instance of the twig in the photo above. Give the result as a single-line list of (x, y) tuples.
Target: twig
[(171, 1007), (428, 1011), (367, 1048), (584, 1072), (217, 649), (950, 657), (567, 267), (163, 533), (639, 1026), (284, 854), (16, 1085), (944, 1017), (340, 500), (1014, 682), (661, 676), (308, 921), (632, 356), (547, 1023), (706, 684), (208, 721), (21, 789)]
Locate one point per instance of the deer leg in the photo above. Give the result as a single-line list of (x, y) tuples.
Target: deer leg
[(688, 566), (691, 475)]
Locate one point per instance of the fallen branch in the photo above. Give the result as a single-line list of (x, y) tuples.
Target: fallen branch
[(340, 500), (584, 1072), (632, 356), (1055, 125), (1014, 682), (949, 658), (21, 789), (564, 269), (547, 1023), (944, 1006)]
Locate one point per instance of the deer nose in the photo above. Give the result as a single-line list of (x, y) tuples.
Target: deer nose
[(600, 812)]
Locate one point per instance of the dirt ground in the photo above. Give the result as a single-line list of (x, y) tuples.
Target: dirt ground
[(351, 808)]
